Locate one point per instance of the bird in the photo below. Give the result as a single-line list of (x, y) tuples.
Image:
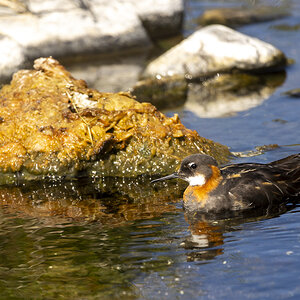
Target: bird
[(236, 187)]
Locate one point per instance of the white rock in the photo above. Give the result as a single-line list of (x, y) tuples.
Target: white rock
[(11, 57), (160, 17), (12, 7), (119, 20), (75, 32), (157, 7), (213, 49), (46, 6), (62, 28)]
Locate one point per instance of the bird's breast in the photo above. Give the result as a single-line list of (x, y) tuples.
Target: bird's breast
[(198, 196)]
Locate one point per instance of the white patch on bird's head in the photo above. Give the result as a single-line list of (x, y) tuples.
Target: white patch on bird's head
[(198, 179)]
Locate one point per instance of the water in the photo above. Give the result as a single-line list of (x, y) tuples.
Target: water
[(127, 240)]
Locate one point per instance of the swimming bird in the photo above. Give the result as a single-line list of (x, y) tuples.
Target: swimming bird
[(237, 186)]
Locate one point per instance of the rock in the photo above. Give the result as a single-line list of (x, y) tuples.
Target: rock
[(214, 49), (236, 16), (53, 126), (76, 32), (161, 18), (286, 27), (218, 96), (71, 28), (227, 94), (11, 57), (293, 93), (46, 6), (12, 7), (164, 92)]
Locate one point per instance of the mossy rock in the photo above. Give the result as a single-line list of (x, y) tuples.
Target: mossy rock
[(53, 125)]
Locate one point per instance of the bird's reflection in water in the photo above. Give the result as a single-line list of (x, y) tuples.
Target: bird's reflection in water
[(206, 237), (208, 231)]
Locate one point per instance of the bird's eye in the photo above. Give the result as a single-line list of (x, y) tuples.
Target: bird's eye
[(193, 165)]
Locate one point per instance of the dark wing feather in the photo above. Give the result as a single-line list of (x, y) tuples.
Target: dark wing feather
[(263, 184)]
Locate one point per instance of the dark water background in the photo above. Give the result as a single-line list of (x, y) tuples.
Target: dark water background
[(148, 249)]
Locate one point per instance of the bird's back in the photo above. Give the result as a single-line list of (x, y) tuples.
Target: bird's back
[(257, 185)]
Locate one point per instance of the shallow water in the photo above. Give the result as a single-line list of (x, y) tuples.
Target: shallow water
[(127, 240)]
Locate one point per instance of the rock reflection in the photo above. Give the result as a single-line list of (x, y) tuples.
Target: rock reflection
[(110, 201), (208, 232), (225, 95), (109, 74)]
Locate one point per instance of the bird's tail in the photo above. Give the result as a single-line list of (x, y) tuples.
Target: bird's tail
[(290, 172)]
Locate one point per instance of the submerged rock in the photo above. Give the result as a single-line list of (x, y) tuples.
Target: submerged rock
[(235, 16), (214, 49), (52, 125), (163, 92)]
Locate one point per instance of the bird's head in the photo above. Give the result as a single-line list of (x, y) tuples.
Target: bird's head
[(196, 169)]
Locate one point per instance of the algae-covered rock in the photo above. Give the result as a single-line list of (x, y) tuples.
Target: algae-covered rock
[(52, 125)]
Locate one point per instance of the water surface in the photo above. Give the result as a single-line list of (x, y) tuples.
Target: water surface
[(127, 240)]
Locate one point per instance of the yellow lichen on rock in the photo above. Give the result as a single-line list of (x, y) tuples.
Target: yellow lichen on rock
[(54, 125)]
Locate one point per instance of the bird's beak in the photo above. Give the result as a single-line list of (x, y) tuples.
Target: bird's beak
[(171, 176)]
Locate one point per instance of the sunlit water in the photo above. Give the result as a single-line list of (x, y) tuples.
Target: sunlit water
[(149, 249)]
